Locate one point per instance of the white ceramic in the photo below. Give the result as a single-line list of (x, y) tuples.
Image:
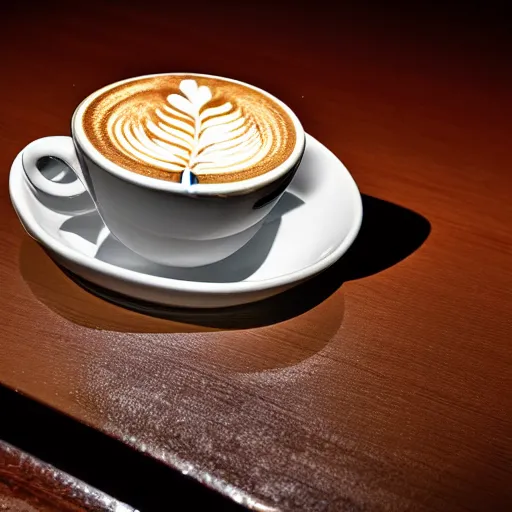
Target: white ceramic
[(314, 223), (168, 223)]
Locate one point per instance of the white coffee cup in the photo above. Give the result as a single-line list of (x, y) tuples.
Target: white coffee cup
[(160, 220)]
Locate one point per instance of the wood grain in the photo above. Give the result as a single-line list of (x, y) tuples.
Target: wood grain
[(384, 384), (30, 485)]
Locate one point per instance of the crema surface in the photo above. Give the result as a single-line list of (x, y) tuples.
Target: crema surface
[(188, 127)]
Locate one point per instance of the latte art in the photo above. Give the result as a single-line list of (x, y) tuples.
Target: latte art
[(190, 136), (190, 129)]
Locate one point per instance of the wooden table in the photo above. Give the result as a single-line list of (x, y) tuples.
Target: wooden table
[(383, 384), (29, 485)]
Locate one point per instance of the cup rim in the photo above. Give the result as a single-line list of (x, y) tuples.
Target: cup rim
[(232, 188)]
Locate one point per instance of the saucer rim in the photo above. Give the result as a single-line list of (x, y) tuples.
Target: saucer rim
[(177, 285)]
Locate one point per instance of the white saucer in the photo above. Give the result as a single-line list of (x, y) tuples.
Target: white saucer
[(310, 228)]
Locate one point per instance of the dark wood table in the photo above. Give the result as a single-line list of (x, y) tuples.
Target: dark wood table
[(382, 384), (30, 485)]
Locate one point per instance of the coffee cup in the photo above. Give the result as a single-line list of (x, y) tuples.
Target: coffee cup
[(183, 168)]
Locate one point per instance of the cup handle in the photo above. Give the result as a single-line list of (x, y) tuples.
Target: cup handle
[(60, 147)]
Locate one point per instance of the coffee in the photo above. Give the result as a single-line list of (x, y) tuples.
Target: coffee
[(190, 128)]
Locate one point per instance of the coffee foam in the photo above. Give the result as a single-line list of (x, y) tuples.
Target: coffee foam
[(179, 127)]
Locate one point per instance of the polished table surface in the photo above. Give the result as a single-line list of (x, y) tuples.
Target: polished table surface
[(384, 383), (30, 485)]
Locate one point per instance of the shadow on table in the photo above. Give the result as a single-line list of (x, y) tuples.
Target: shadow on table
[(389, 234)]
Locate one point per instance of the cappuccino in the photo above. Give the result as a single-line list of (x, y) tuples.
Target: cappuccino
[(190, 128)]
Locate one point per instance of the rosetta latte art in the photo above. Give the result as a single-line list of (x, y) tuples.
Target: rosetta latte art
[(189, 128), (187, 135)]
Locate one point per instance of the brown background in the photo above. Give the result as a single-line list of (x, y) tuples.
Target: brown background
[(384, 384)]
